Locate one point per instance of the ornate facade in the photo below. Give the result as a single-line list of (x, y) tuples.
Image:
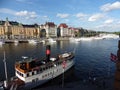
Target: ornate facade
[(15, 30), (49, 29)]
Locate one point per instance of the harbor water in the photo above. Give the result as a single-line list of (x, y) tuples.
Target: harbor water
[(92, 58)]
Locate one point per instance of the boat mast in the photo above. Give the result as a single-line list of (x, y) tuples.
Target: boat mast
[(5, 66)]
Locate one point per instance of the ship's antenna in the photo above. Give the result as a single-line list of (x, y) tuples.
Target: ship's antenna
[(5, 66), (74, 50)]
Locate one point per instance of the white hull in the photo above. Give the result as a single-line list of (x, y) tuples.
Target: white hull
[(74, 39), (47, 75), (1, 42), (32, 41), (50, 40), (109, 36), (81, 39)]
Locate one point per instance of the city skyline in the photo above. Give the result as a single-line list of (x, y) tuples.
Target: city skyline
[(92, 15)]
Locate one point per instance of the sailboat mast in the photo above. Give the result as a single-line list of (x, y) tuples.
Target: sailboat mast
[(5, 66)]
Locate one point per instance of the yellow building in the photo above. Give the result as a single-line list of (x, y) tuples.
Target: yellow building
[(15, 30)]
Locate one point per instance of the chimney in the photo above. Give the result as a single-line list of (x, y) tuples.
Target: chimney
[(48, 53)]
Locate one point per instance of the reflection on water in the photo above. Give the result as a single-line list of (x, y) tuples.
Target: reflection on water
[(92, 58)]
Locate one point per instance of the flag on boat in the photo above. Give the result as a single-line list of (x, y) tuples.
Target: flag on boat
[(113, 57), (64, 64)]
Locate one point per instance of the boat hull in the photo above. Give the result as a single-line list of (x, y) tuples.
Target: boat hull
[(48, 75)]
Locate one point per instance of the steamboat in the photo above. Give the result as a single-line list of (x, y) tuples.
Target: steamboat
[(30, 73)]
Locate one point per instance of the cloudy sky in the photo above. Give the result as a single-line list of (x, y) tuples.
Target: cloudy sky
[(99, 15)]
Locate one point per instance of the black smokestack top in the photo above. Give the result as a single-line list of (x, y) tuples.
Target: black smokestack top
[(48, 52)]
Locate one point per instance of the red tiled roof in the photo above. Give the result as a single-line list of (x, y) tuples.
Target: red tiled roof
[(63, 25), (50, 24), (72, 28)]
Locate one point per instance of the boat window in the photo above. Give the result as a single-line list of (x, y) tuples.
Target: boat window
[(37, 71), (22, 75), (17, 72), (33, 80), (27, 74), (50, 72), (32, 73), (37, 79), (40, 69)]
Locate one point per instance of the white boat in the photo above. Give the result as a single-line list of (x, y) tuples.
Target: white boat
[(16, 42), (73, 39), (50, 40), (97, 38), (32, 41), (86, 38), (110, 36), (42, 41), (1, 42), (32, 72)]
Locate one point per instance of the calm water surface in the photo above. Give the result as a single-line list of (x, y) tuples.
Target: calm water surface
[(91, 57)]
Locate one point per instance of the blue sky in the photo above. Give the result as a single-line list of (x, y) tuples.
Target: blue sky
[(98, 15)]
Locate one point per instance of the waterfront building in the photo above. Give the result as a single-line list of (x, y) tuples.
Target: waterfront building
[(65, 31), (49, 29), (15, 30), (75, 32)]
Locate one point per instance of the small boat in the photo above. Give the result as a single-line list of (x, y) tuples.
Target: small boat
[(73, 39), (97, 38), (33, 72), (86, 38), (32, 41), (50, 40), (16, 42), (42, 41), (1, 42)]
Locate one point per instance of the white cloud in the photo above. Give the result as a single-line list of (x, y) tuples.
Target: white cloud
[(109, 21), (62, 15), (96, 17), (27, 14), (108, 27), (81, 15), (118, 22), (7, 11), (110, 6), (45, 18), (24, 1), (20, 0)]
